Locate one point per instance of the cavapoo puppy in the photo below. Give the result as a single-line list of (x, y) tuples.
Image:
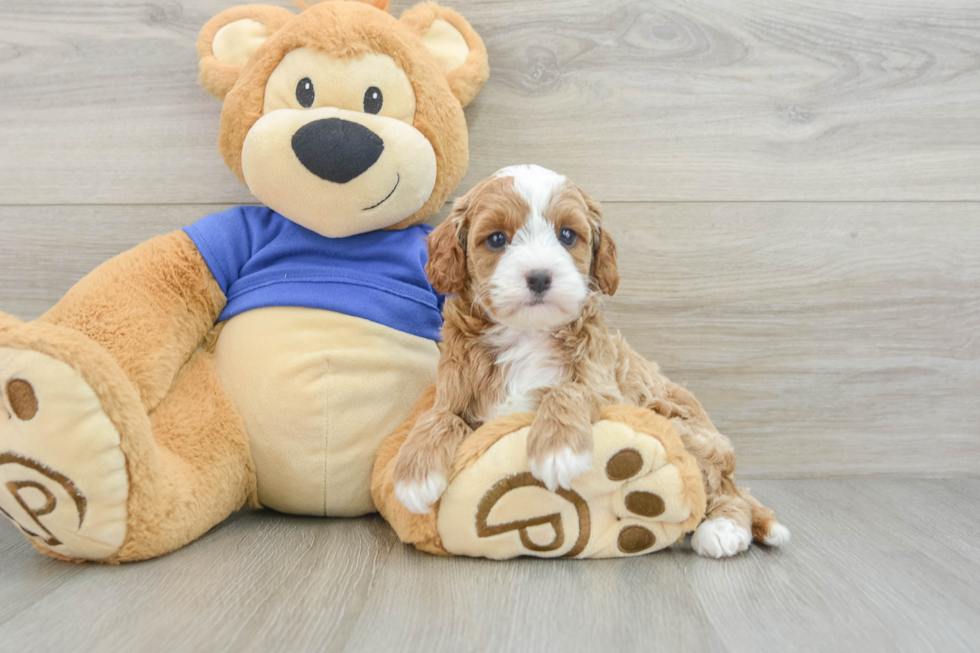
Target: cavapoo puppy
[(527, 261)]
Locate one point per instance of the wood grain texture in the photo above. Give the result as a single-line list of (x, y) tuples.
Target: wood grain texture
[(826, 339), (874, 565), (674, 100), (823, 338)]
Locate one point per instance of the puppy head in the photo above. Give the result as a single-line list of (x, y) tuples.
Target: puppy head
[(527, 245)]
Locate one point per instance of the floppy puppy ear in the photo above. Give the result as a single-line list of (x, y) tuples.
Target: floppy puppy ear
[(446, 267), (457, 48), (228, 41), (604, 268)]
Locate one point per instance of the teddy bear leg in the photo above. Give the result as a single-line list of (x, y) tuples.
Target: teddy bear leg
[(203, 471), (87, 473), (643, 493), (149, 308)]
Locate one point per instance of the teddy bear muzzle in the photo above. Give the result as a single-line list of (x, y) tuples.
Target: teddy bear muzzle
[(338, 172)]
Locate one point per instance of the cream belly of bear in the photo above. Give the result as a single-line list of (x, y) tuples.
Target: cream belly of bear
[(318, 392)]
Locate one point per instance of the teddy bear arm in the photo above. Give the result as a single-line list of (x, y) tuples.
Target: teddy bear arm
[(150, 308)]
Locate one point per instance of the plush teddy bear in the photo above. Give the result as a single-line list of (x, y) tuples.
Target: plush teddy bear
[(260, 355)]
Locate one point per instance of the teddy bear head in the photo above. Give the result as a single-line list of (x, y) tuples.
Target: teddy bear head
[(342, 118)]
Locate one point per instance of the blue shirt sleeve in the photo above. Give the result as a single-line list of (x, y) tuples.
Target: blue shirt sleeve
[(225, 241), (424, 255)]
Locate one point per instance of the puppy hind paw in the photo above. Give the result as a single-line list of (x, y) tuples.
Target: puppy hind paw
[(561, 468), (720, 538), (419, 497)]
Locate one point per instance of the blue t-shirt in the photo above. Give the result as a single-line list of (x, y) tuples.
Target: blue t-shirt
[(260, 258)]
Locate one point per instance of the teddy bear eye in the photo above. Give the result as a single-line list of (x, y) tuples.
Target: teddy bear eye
[(305, 94), (567, 237), (373, 100), (496, 241)]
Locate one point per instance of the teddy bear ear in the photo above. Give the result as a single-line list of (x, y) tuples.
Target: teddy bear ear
[(228, 41), (457, 48)]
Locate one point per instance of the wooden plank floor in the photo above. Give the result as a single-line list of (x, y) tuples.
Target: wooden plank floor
[(795, 189), (875, 565)]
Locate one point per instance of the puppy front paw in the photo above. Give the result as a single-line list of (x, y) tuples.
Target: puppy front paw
[(419, 496), (422, 465), (560, 468), (419, 478)]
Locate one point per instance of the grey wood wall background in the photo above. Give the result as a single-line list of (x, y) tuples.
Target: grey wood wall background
[(794, 185)]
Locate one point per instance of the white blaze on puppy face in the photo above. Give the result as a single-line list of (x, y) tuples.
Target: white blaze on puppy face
[(535, 246)]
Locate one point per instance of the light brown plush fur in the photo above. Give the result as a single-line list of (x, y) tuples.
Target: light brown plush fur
[(149, 308), (467, 80), (218, 77), (345, 29), (599, 368)]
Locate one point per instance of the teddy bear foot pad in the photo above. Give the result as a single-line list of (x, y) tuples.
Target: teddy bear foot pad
[(642, 494), (63, 478)]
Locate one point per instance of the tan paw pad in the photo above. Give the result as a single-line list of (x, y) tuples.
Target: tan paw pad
[(63, 477)]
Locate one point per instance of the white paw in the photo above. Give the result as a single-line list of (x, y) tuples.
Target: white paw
[(561, 468), (778, 535), (720, 538), (419, 497)]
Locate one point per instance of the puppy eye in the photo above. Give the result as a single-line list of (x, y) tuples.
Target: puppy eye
[(373, 100), (567, 237), (496, 241), (305, 93)]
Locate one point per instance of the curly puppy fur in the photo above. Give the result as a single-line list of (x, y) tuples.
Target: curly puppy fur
[(509, 347)]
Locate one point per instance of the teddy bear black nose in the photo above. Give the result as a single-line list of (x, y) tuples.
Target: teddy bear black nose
[(335, 149)]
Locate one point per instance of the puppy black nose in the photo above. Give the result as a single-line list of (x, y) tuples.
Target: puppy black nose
[(337, 150), (538, 281)]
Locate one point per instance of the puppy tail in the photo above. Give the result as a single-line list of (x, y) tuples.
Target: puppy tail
[(766, 529)]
